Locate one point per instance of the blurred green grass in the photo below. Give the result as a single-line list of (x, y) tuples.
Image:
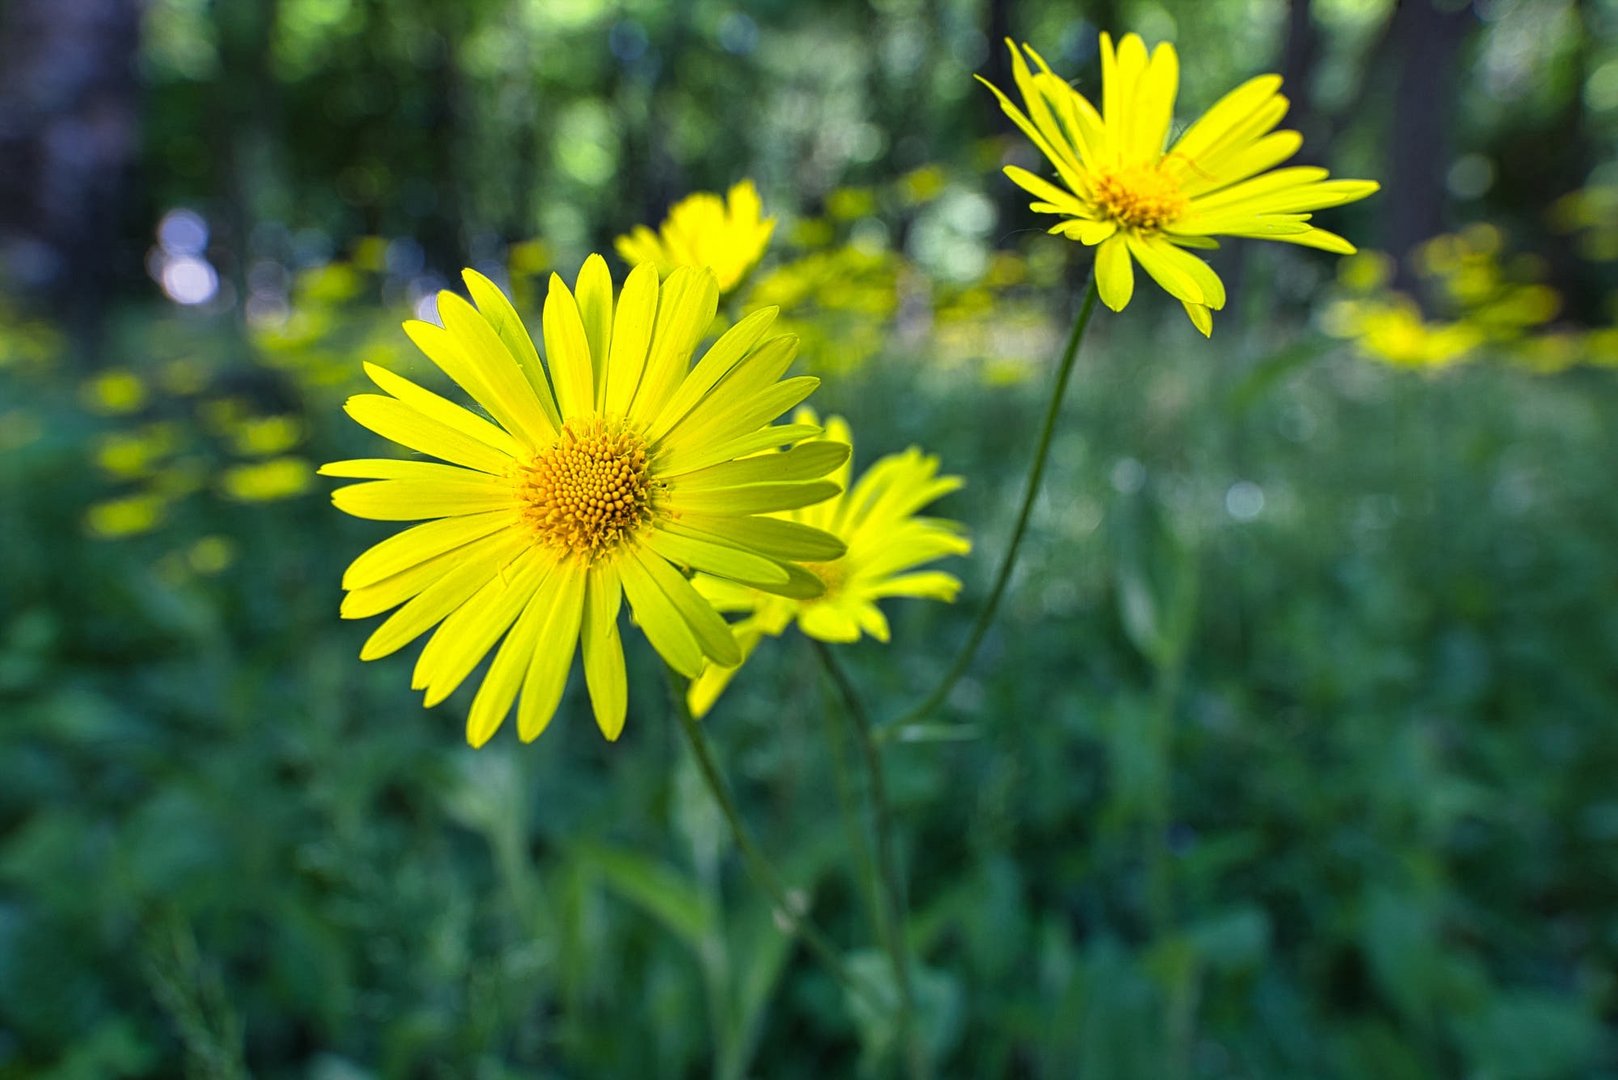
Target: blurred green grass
[(1290, 754)]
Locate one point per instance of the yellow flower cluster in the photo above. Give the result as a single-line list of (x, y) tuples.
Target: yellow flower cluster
[(1486, 302)]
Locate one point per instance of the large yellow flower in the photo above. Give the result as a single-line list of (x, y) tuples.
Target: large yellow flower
[(1139, 202), (726, 235), (886, 541), (560, 504)]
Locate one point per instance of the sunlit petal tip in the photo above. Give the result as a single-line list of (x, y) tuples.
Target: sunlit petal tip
[(1201, 318)]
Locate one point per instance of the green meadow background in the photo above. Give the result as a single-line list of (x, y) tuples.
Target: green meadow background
[(1292, 752)]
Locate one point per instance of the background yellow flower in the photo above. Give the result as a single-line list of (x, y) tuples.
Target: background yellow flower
[(1124, 194), (877, 519), (728, 236)]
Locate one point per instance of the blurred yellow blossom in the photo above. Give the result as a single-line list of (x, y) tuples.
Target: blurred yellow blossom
[(261, 436), (266, 481), (923, 184), (211, 555), (728, 236), (128, 455), (1392, 330), (1482, 297), (129, 515), (115, 392), (850, 203), (877, 518)]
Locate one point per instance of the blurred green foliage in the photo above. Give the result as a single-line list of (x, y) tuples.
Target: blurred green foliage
[(1289, 756)]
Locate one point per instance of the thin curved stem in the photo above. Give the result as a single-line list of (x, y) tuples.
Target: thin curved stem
[(891, 920), (758, 866), (1036, 474)]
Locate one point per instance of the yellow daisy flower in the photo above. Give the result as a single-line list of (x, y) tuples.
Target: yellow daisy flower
[(726, 235), (555, 507), (1132, 200), (876, 519)]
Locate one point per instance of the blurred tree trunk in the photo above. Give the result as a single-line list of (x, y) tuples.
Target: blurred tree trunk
[(443, 237), (245, 121), (1426, 37), (69, 139), (1302, 53), (997, 69), (1538, 160)]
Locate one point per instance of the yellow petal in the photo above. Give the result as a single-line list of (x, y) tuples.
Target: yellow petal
[(711, 633), (776, 537), (481, 562), (567, 348), (732, 348), (659, 619), (553, 651), (469, 632), (751, 498), (441, 409), (690, 299), (417, 500), (497, 311), (603, 649), (1115, 277), (711, 558), (632, 325), (398, 422), (419, 543), (593, 290)]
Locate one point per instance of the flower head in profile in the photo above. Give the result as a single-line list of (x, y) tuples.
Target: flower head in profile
[(728, 236), (1135, 198), (886, 542), (601, 474)]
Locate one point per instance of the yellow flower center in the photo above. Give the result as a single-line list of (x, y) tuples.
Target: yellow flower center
[(1140, 197), (589, 491), (831, 574)]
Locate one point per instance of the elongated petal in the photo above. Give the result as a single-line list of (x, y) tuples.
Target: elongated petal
[(394, 420), (678, 458), (776, 537), (806, 461), (660, 619), (711, 633), (553, 652), (603, 650), (720, 559), (442, 410), (1201, 318), (732, 348), (752, 498), (468, 633), (488, 370), (1174, 280), (735, 418), (690, 301), (400, 469), (503, 319), (419, 543), (632, 325), (1115, 277), (568, 350), (482, 562), (417, 500), (593, 290)]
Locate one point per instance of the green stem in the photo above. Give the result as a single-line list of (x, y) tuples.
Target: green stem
[(1036, 474), (891, 921), (758, 866)]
